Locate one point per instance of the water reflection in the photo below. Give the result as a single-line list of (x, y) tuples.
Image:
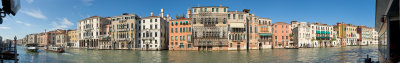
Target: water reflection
[(336, 54)]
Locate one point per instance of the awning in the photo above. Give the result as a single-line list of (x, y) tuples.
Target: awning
[(237, 25), (265, 34), (318, 32), (323, 32), (328, 33)]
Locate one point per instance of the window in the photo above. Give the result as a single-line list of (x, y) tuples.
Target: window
[(155, 26), (224, 9), (224, 21), (234, 16), (194, 20), (201, 9), (151, 26), (172, 38), (172, 30), (156, 42), (180, 29), (229, 16), (176, 30), (190, 29), (155, 20), (143, 21), (181, 45), (144, 27), (155, 33), (172, 23), (205, 9), (151, 20), (195, 10), (189, 45), (230, 45), (212, 9), (176, 38), (251, 29), (184, 30), (172, 43), (183, 38)]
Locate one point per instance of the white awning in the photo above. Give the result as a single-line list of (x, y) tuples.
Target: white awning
[(237, 25)]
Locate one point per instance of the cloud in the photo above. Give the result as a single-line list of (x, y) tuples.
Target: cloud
[(62, 24), (30, 1), (4, 27), (26, 24), (35, 14), (88, 2)]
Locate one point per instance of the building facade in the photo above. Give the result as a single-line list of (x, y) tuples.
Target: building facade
[(154, 32), (180, 34), (123, 32), (72, 38), (352, 35), (365, 37), (302, 35), (280, 34), (265, 33), (210, 27), (90, 30), (323, 35)]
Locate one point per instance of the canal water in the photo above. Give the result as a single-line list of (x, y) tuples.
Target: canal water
[(323, 55)]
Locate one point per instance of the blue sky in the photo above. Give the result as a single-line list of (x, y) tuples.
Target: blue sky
[(37, 15)]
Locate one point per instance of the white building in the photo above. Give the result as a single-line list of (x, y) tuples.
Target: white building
[(374, 37), (323, 35), (90, 30), (153, 32), (351, 35), (61, 40), (302, 35)]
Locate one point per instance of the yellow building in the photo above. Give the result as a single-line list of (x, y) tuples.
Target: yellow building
[(72, 38)]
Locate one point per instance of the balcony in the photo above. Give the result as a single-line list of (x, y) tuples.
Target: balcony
[(121, 30), (88, 29), (88, 37), (148, 38), (122, 38)]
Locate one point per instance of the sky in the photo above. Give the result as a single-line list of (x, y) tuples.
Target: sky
[(36, 16)]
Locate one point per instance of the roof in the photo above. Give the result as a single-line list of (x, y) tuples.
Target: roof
[(151, 17), (280, 23), (210, 7)]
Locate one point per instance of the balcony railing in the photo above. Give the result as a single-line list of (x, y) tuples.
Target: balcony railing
[(148, 38), (122, 29)]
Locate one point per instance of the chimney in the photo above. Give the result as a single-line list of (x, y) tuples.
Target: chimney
[(198, 5), (151, 13), (188, 13), (220, 5), (167, 15), (162, 12)]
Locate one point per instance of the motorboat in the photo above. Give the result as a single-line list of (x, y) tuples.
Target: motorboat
[(32, 47)]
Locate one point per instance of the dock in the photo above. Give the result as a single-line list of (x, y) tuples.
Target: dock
[(8, 50)]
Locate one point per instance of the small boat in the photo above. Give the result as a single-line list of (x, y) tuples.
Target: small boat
[(55, 49), (32, 47), (288, 47)]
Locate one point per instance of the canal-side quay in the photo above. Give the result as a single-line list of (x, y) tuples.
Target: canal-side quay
[(351, 54)]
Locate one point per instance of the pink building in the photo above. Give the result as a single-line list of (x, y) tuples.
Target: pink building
[(281, 34)]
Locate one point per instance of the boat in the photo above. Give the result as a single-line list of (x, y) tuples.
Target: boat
[(32, 47), (55, 49), (288, 47)]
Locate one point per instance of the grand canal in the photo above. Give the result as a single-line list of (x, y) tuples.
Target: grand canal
[(334, 54)]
